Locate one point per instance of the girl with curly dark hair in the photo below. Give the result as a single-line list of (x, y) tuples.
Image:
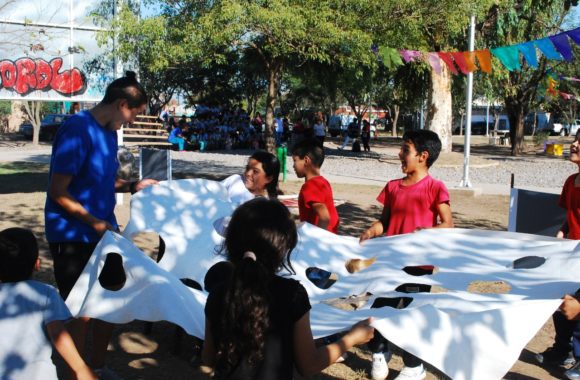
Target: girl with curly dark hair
[(257, 322)]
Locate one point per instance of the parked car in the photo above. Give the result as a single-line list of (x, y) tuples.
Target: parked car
[(558, 128), (48, 126), (573, 128), (478, 126)]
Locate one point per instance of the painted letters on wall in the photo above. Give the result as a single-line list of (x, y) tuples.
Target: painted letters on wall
[(26, 75)]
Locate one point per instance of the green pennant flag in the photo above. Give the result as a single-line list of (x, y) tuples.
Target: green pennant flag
[(390, 57)]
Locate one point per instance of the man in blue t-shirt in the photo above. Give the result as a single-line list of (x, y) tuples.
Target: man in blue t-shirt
[(80, 200)]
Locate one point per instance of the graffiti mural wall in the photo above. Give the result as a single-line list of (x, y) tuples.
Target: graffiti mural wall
[(48, 51)]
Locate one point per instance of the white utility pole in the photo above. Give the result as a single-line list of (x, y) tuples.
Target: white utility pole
[(466, 149)]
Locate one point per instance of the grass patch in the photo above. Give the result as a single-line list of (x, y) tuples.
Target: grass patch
[(19, 167)]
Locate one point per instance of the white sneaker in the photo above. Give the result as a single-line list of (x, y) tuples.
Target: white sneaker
[(412, 373), (380, 370)]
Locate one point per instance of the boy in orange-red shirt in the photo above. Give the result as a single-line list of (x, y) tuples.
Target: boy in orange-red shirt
[(315, 201)]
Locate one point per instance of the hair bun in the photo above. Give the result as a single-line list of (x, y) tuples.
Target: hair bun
[(131, 75)]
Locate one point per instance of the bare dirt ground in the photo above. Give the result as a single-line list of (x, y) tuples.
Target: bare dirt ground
[(160, 355)]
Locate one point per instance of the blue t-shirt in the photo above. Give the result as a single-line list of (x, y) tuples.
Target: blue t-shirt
[(87, 151), (175, 132)]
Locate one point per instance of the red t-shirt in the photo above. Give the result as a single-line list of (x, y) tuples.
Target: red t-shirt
[(317, 190), (413, 206), (570, 200)]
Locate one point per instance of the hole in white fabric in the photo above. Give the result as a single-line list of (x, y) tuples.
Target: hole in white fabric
[(528, 262), (113, 277), (421, 270), (150, 243), (413, 288), (220, 225), (356, 265), (395, 302), (493, 287), (320, 277), (349, 303), (191, 283)]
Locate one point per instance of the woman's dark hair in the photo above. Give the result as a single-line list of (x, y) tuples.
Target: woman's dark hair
[(126, 88), (264, 227), (271, 167)]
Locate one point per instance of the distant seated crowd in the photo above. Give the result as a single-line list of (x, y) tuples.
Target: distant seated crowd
[(217, 128), (221, 127)]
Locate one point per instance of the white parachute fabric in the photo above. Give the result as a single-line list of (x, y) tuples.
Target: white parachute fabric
[(464, 334)]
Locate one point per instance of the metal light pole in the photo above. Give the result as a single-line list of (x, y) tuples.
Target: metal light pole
[(465, 181)]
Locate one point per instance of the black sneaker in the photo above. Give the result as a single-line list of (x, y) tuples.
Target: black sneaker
[(557, 357)]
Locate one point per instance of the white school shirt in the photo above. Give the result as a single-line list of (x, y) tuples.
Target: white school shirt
[(26, 307)]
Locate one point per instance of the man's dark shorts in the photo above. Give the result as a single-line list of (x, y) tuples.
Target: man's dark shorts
[(70, 258)]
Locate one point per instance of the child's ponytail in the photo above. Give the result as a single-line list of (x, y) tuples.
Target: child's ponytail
[(247, 311)]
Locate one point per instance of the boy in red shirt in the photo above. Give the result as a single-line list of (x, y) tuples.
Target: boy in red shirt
[(414, 202), (570, 197), (315, 201), (566, 320)]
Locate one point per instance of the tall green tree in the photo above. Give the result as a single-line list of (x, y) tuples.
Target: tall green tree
[(512, 22), (279, 32)]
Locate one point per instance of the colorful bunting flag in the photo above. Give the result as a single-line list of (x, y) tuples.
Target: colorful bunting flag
[(508, 56), (556, 47), (470, 61), (573, 79), (460, 61), (448, 59), (561, 44), (390, 57), (547, 48), (484, 59), (552, 86), (574, 34), (435, 62), (528, 49), (410, 55)]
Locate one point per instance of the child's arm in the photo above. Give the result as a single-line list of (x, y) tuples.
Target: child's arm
[(208, 354), (66, 348), (323, 215), (378, 227), (563, 232), (570, 307), (444, 211), (311, 359)]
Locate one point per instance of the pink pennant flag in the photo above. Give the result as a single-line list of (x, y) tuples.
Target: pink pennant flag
[(566, 96), (410, 55), (435, 62), (460, 61), (448, 59)]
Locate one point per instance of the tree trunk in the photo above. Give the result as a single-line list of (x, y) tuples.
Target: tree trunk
[(32, 109), (439, 115), (273, 81), (516, 112), (397, 110)]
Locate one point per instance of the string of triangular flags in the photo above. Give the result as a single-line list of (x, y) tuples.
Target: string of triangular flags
[(556, 47), (552, 83)]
